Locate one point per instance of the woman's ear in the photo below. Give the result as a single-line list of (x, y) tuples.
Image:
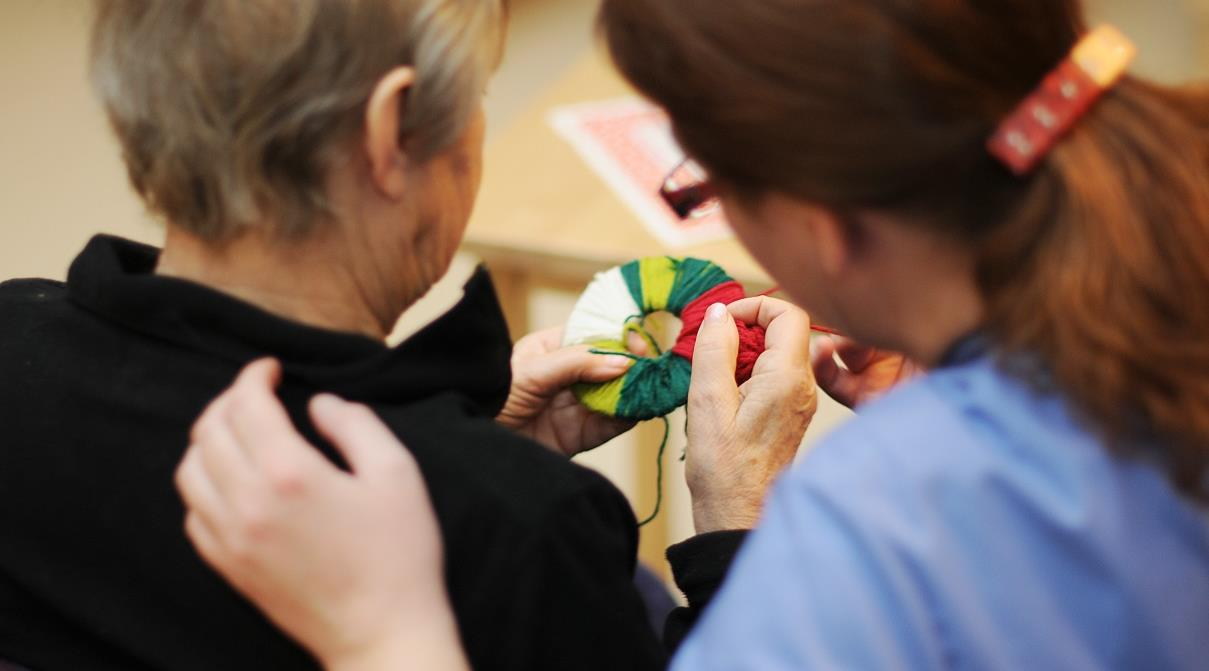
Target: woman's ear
[(388, 162)]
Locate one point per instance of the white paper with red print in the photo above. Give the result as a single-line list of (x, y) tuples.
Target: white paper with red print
[(629, 144)]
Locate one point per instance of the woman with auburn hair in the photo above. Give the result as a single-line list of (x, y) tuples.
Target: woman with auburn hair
[(979, 186)]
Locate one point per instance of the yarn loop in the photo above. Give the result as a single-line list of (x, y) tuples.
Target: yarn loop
[(614, 304)]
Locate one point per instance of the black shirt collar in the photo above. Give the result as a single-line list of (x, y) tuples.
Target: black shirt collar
[(467, 350)]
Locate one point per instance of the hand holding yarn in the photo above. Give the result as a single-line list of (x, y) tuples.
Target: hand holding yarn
[(614, 306), (541, 404), (741, 436)]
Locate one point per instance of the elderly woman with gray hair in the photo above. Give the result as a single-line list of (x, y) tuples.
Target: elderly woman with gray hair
[(315, 164)]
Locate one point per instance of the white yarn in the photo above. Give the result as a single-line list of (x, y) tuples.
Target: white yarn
[(601, 311)]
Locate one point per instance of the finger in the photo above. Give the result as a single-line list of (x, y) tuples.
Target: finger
[(259, 422), (763, 310), (830, 376), (855, 356), (561, 368), (195, 487), (216, 450), (637, 344), (786, 334), (539, 342), (365, 442), (712, 388)]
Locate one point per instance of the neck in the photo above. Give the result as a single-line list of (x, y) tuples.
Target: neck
[(941, 318), (922, 300), (307, 281)]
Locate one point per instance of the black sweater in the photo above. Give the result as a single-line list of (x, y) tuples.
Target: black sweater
[(100, 380)]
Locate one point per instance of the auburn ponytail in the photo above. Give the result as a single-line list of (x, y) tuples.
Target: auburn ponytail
[(1097, 264), (1103, 271)]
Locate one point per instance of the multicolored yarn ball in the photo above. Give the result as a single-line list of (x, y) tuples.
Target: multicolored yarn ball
[(616, 303)]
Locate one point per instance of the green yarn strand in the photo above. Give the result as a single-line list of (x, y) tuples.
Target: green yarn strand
[(694, 277), (632, 273), (667, 432), (655, 387)]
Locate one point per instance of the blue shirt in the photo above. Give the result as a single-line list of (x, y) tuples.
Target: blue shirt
[(965, 521)]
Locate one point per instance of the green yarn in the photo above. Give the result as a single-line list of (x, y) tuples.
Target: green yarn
[(693, 278), (651, 281), (655, 387), (667, 432), (632, 272), (667, 426)]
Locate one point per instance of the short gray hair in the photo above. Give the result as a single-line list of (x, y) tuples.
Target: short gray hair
[(229, 111)]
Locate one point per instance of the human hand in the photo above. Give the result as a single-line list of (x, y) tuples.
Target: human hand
[(349, 564), (867, 372), (541, 404), (741, 437)]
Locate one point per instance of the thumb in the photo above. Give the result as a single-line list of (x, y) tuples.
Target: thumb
[(555, 371), (712, 389), (364, 441)]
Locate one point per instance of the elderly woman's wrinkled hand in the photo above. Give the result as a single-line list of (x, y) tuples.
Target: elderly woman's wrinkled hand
[(541, 404), (740, 437), (348, 563)]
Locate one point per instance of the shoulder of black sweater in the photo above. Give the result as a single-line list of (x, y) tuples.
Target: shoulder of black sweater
[(30, 290)]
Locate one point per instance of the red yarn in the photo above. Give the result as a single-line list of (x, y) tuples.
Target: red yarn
[(751, 337)]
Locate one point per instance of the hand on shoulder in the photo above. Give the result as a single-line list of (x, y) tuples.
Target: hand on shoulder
[(347, 563)]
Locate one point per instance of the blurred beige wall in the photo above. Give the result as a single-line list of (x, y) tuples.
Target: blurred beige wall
[(61, 178), (1172, 34)]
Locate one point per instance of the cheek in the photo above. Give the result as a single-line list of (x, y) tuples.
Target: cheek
[(783, 254), (760, 238)]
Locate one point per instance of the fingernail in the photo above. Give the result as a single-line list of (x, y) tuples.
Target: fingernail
[(715, 313), (620, 362)]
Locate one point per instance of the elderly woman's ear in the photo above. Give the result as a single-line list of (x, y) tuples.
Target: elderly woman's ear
[(388, 162)]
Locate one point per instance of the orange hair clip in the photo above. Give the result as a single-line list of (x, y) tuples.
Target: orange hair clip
[(1095, 65)]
